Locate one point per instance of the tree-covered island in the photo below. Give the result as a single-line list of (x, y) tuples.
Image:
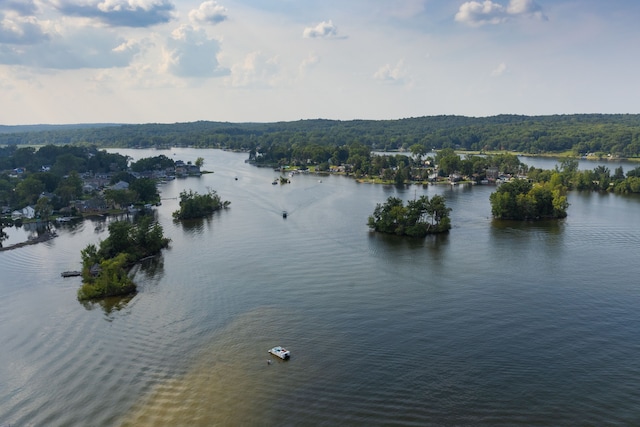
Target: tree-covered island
[(520, 199), (194, 205), (105, 267), (417, 219)]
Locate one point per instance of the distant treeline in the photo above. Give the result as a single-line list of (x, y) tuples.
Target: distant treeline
[(615, 134)]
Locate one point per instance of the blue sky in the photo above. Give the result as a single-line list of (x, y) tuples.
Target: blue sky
[(147, 61)]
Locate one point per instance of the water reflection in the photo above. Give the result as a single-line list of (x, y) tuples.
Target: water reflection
[(109, 305), (551, 227)]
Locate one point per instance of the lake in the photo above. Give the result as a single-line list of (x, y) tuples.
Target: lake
[(496, 323)]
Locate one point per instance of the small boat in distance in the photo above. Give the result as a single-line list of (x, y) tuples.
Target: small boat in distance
[(284, 214), (280, 352)]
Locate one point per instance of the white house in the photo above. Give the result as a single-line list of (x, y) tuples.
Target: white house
[(29, 212)]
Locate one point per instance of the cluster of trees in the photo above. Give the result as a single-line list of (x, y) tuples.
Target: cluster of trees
[(51, 169), (105, 267), (61, 159), (55, 171), (519, 199), (194, 205), (598, 179), (581, 133), (160, 162), (418, 218)]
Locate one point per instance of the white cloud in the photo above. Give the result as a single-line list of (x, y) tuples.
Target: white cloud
[(499, 70), (119, 13), (20, 30), (526, 8), (209, 12), (324, 29), (256, 70), (23, 7), (311, 60), (191, 53), (392, 73), (78, 47), (475, 13)]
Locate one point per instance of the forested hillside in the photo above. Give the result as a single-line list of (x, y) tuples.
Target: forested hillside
[(616, 134)]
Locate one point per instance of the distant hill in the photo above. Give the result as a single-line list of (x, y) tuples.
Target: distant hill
[(45, 127), (615, 134)]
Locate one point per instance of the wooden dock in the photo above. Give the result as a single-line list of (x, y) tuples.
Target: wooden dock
[(71, 273)]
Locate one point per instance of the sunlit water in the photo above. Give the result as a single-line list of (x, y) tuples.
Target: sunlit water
[(493, 324)]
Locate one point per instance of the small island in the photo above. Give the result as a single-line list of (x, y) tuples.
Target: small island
[(519, 199), (194, 205), (105, 268), (417, 219)]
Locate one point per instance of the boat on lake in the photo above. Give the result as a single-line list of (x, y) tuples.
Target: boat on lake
[(280, 352)]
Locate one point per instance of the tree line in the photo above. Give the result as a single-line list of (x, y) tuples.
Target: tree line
[(616, 134)]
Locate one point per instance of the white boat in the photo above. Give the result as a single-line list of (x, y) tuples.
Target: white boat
[(280, 352)]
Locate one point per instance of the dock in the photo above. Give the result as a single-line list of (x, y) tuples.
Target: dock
[(71, 273)]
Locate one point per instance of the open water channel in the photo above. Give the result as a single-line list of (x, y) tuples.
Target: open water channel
[(493, 324)]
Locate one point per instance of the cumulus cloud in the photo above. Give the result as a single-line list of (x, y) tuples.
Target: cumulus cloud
[(476, 13), (525, 7), (83, 48), (22, 7), (120, 13), (325, 29), (392, 73), (255, 70), (209, 12), (191, 53), (21, 30)]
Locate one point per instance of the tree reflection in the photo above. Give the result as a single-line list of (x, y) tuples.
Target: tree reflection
[(109, 305)]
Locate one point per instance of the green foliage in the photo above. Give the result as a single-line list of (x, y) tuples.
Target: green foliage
[(153, 163), (521, 200), (127, 243), (302, 140), (120, 198), (194, 205), (29, 189), (69, 188), (145, 189), (111, 281), (417, 219)]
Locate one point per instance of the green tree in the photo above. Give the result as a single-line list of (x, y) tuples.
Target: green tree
[(120, 198), (520, 200), (146, 190), (417, 151), (29, 190), (417, 219), (194, 205), (127, 243), (69, 188), (43, 208)]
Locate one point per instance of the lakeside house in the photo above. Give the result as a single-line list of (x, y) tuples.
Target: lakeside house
[(27, 212)]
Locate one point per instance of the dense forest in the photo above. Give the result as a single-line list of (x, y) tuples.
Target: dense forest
[(615, 134)]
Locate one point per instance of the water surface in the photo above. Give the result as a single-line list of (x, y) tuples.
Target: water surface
[(493, 324)]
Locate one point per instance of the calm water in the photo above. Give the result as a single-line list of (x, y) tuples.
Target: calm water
[(494, 324)]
